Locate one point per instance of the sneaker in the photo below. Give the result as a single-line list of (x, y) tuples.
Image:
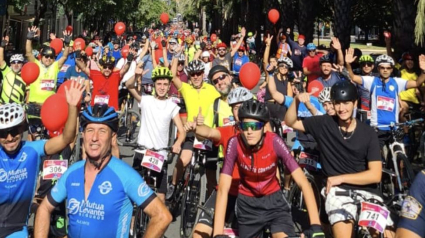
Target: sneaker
[(170, 191)]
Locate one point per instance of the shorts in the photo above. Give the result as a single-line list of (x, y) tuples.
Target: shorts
[(342, 208), (383, 137), (230, 217), (58, 225), (270, 211), (161, 178), (188, 142), (276, 110)]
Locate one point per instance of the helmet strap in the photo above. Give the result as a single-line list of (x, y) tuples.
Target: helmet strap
[(97, 164)]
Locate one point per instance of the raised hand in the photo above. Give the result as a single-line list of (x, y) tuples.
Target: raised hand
[(243, 32), (422, 63), (349, 56), (32, 33), (268, 39), (5, 41), (335, 43), (73, 94), (67, 38)]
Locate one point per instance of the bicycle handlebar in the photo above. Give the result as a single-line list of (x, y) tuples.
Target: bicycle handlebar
[(407, 123)]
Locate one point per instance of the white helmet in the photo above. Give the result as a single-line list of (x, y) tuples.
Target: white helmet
[(286, 61), (182, 58), (239, 95), (17, 57), (384, 59), (205, 54), (325, 95), (11, 114)]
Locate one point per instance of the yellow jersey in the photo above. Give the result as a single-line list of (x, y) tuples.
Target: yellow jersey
[(45, 85), (410, 94), (13, 87), (195, 100)]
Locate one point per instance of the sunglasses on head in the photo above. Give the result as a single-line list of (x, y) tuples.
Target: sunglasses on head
[(196, 73), (14, 131), (219, 78), (255, 126), (367, 64), (49, 56)]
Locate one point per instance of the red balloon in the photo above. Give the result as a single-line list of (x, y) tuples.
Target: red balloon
[(57, 45), (164, 18), (119, 28), (30, 72), (61, 90), (89, 51), (79, 44), (69, 29), (213, 37), (124, 51), (249, 75), (55, 133), (273, 16), (315, 87), (54, 112)]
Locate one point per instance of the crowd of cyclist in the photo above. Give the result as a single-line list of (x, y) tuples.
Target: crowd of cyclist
[(182, 77)]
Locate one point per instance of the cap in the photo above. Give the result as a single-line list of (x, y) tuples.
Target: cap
[(300, 36)]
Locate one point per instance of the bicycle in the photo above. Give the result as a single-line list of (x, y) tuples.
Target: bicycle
[(128, 124), (35, 125), (151, 162), (371, 213)]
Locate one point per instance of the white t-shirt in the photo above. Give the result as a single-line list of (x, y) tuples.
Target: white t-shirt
[(156, 116), (129, 73)]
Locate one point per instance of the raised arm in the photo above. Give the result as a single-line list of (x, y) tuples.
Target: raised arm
[(388, 45), (67, 39), (235, 49), (276, 95), (267, 53), (130, 84), (145, 49), (291, 117), (349, 58), (80, 63), (154, 63), (337, 46), (421, 78), (176, 80), (126, 66), (3, 45), (32, 34)]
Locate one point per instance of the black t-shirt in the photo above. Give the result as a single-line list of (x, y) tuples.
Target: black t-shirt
[(344, 156), (281, 86)]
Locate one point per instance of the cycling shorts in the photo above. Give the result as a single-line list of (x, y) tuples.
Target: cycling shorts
[(230, 217), (188, 142), (161, 178), (257, 213)]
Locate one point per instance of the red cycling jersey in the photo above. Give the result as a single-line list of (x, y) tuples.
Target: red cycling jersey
[(260, 179)]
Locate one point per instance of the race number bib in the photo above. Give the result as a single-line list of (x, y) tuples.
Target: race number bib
[(175, 100), (238, 62), (286, 129), (373, 215), (48, 84), (204, 145), (152, 160), (65, 68), (101, 99), (308, 160), (385, 103), (54, 169), (297, 52)]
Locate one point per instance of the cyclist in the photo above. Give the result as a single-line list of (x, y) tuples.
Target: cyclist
[(411, 224), (255, 153), (198, 96), (283, 48), (156, 114), (355, 165), (250, 41), (225, 58), (99, 190), (328, 75), (220, 136), (269, 66), (20, 161), (205, 57), (239, 60), (325, 100), (75, 73), (13, 87), (298, 49), (69, 62), (384, 91), (311, 65)]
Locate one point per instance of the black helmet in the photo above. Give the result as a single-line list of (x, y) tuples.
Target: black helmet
[(107, 60), (47, 50), (254, 109), (100, 114), (325, 59), (344, 91), (217, 69)]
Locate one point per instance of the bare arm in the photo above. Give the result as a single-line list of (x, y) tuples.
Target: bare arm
[(80, 64), (267, 53), (291, 117), (349, 58), (235, 49), (405, 233), (67, 39), (4, 43), (153, 57), (42, 220), (160, 218), (145, 49), (164, 55), (337, 46), (182, 134), (276, 95), (197, 54), (221, 203), (176, 80), (388, 46)]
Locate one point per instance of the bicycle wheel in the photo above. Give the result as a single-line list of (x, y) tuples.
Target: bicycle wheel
[(141, 221), (407, 170), (129, 126), (76, 153), (298, 206)]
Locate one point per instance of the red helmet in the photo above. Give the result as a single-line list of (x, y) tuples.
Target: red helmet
[(242, 48), (222, 45)]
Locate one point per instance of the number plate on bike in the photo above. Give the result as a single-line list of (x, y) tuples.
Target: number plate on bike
[(374, 216), (204, 145), (152, 160), (101, 99), (308, 161), (54, 169)]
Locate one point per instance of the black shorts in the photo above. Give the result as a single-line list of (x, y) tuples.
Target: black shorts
[(58, 226), (276, 110), (230, 217), (383, 137), (270, 211), (188, 142), (161, 178)]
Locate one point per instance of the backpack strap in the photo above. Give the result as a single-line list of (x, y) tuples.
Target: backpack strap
[(215, 108)]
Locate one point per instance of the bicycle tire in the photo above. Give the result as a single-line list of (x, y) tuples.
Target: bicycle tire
[(141, 221), (76, 153), (407, 168), (128, 122)]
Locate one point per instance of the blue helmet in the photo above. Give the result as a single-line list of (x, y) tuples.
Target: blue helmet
[(311, 46), (100, 114)]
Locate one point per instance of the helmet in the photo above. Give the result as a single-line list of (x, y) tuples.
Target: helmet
[(242, 48), (311, 46), (107, 60), (406, 56), (384, 59), (366, 59), (172, 41), (205, 54), (217, 69), (254, 109), (325, 95), (47, 50), (160, 73), (100, 114), (195, 66), (11, 114), (250, 34), (286, 61), (325, 59), (222, 45), (189, 40), (238, 95), (17, 57), (344, 91), (135, 46), (182, 57)]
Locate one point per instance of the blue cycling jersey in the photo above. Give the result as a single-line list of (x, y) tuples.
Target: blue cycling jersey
[(108, 209), (18, 177)]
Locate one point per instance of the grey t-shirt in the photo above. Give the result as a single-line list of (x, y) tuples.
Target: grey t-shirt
[(226, 62)]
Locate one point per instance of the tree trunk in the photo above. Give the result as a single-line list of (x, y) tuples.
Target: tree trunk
[(404, 26), (342, 21), (288, 16), (40, 11), (307, 16)]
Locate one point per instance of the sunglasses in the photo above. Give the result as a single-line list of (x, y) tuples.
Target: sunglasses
[(385, 68), (110, 67), (14, 131), (181, 63), (311, 50), (255, 126), (16, 62), (367, 64), (283, 66), (221, 49), (219, 78), (49, 56), (196, 73)]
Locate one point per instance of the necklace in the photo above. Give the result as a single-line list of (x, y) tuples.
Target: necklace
[(345, 134)]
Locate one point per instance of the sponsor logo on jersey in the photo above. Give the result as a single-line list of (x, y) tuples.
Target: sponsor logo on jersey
[(105, 187), (143, 190), (23, 157), (411, 208), (75, 184), (3, 175), (13, 175), (86, 209)]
